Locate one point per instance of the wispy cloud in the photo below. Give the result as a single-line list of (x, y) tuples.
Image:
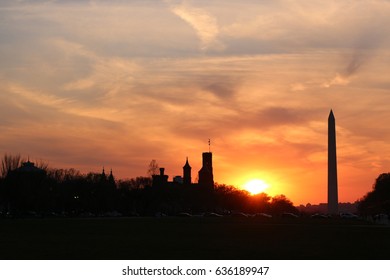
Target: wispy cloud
[(338, 80), (204, 24), (39, 97)]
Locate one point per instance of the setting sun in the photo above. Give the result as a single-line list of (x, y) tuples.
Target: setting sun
[(255, 186)]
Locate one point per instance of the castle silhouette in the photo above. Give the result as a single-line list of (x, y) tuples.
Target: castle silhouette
[(205, 175)]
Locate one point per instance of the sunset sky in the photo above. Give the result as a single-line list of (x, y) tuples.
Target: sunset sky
[(87, 84)]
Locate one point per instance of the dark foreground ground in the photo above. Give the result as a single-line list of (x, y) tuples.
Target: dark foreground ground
[(192, 238)]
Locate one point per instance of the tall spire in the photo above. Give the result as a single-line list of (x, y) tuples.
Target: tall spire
[(332, 166), (187, 164), (187, 173), (111, 178), (103, 175)]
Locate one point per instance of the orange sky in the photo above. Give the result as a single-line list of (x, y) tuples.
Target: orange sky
[(88, 84)]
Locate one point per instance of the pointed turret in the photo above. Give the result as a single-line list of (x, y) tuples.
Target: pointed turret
[(187, 173), (187, 165), (111, 179), (103, 175)]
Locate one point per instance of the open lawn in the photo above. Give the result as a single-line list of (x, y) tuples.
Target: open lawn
[(192, 238)]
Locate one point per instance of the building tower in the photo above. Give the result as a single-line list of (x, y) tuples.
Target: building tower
[(187, 173), (160, 180), (103, 176), (111, 179), (206, 178), (332, 166)]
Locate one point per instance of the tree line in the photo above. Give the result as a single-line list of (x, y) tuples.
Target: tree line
[(35, 189), (377, 201)]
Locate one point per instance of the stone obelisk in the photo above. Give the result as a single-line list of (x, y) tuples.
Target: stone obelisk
[(333, 203)]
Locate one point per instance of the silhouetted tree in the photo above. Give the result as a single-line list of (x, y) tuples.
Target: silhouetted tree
[(229, 198), (281, 204), (135, 183), (152, 168), (378, 200), (10, 163), (3, 199), (42, 165), (260, 203)]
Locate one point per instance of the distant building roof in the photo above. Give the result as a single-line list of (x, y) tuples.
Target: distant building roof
[(29, 166)]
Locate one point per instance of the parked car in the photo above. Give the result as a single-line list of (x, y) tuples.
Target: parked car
[(262, 215), (184, 214), (319, 216), (212, 214), (239, 215), (289, 215), (348, 216)]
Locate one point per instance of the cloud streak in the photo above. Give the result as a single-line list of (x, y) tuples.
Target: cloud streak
[(203, 23)]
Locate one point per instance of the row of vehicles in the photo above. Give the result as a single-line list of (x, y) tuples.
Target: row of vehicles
[(113, 214), (286, 215)]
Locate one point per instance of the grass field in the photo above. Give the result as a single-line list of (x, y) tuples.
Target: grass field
[(191, 238)]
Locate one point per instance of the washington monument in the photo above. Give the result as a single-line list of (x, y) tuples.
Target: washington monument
[(333, 202)]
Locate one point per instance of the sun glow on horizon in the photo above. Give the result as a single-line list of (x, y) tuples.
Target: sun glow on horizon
[(255, 186)]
